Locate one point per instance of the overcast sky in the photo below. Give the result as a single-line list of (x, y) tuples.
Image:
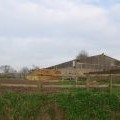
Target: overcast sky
[(47, 32)]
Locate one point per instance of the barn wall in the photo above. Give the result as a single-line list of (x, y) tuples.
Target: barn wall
[(89, 64)]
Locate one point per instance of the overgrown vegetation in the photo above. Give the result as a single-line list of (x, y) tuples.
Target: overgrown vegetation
[(76, 105), (20, 106), (90, 106)]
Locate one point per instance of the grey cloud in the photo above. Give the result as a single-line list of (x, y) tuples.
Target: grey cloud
[(44, 34)]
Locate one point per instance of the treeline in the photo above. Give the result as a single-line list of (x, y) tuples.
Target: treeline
[(8, 72)]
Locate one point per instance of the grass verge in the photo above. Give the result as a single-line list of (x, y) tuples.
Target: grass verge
[(76, 105)]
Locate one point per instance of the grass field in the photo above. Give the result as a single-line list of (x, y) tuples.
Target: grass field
[(72, 105)]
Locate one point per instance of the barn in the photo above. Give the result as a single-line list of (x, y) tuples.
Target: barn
[(81, 66)]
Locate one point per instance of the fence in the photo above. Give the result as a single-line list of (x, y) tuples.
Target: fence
[(111, 82)]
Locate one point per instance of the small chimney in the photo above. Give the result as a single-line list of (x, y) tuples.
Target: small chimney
[(103, 54)]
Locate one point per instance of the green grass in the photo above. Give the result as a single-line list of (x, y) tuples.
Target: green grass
[(71, 82), (75, 105), (66, 82), (89, 106), (20, 106)]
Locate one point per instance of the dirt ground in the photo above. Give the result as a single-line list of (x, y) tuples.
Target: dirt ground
[(8, 86), (51, 111), (47, 87)]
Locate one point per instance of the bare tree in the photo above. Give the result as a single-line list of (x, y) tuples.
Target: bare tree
[(34, 67), (82, 55), (24, 70), (7, 69), (23, 73)]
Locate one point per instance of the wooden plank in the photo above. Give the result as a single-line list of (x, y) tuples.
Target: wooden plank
[(116, 85), (18, 85)]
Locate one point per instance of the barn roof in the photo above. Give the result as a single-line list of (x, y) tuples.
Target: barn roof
[(70, 63)]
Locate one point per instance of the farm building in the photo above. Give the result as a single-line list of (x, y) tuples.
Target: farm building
[(81, 66), (44, 74), (76, 67)]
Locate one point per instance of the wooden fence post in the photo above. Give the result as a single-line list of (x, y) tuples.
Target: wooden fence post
[(87, 82), (76, 79), (62, 81), (39, 85), (110, 84)]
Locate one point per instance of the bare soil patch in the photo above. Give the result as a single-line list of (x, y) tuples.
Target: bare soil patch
[(51, 111)]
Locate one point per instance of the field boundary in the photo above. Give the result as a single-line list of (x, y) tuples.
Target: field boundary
[(92, 81)]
